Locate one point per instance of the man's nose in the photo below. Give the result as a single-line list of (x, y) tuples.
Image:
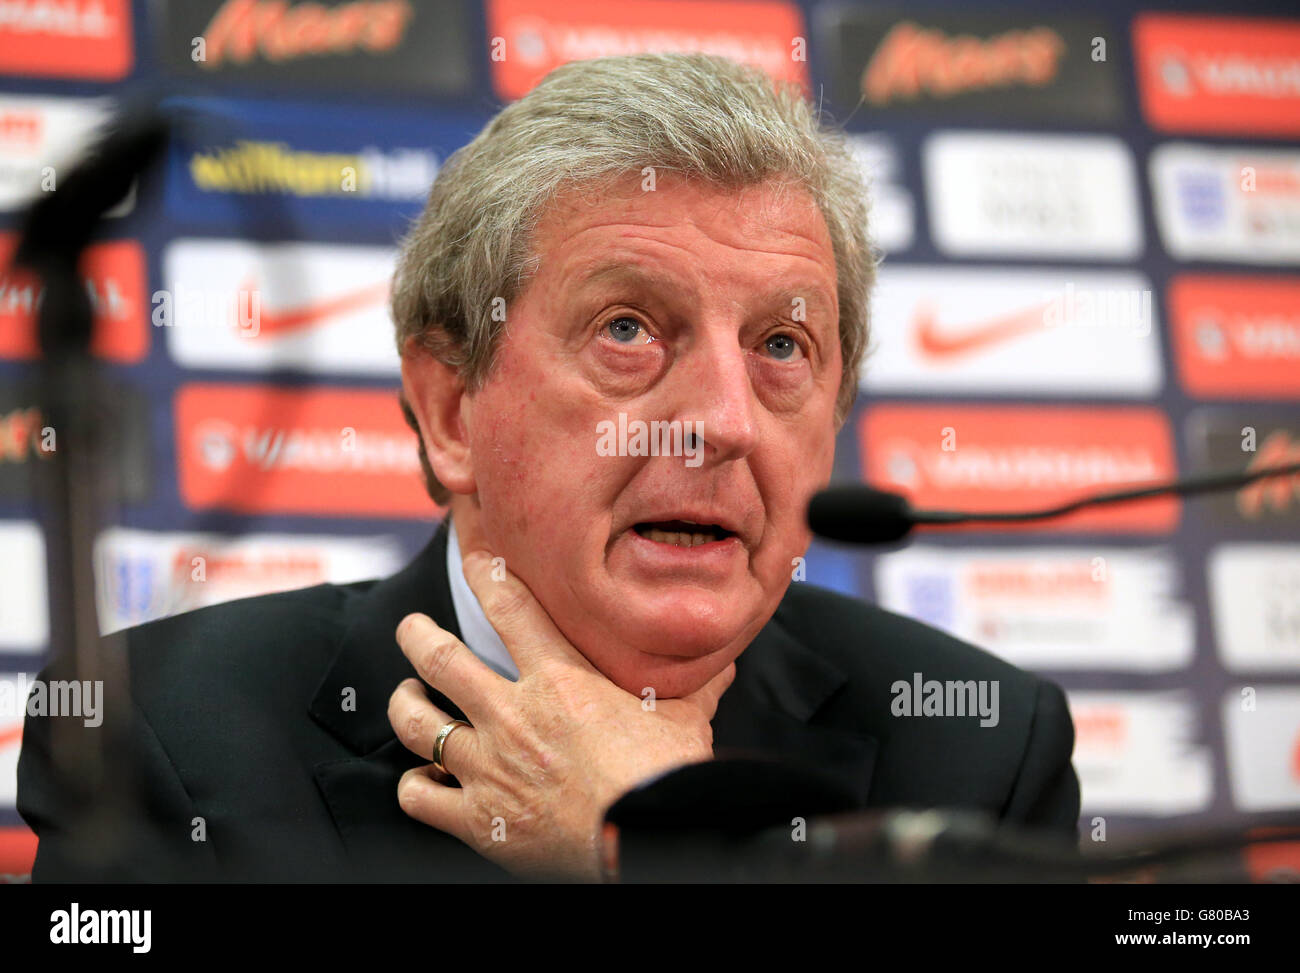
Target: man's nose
[(717, 394)]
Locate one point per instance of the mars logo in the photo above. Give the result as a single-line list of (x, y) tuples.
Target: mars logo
[(1250, 439), (1000, 457), (912, 60), (388, 45), (277, 31), (949, 60), (1275, 493)]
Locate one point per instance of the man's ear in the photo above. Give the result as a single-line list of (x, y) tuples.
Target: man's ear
[(435, 392)]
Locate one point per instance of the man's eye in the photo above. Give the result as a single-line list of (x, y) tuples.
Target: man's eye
[(628, 331), (782, 347)]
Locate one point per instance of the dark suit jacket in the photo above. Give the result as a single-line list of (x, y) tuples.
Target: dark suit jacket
[(238, 717)]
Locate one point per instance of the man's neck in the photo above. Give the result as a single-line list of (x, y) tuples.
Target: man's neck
[(476, 631)]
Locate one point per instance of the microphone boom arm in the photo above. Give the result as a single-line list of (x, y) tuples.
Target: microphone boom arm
[(1190, 486)]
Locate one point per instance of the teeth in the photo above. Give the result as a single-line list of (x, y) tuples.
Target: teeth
[(678, 538)]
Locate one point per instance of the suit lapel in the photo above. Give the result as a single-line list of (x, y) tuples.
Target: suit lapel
[(369, 663), (768, 711), (361, 790), (382, 842)]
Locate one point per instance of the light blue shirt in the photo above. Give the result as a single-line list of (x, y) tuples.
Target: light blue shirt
[(475, 630)]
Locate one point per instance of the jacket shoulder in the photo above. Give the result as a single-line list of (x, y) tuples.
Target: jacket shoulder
[(238, 644), (212, 728), (1016, 742), (250, 655), (858, 635)]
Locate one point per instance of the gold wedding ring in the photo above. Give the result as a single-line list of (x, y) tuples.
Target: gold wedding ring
[(445, 732)]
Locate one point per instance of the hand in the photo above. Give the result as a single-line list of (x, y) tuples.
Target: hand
[(547, 755)]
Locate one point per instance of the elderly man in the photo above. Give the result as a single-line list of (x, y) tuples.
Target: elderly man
[(630, 319)]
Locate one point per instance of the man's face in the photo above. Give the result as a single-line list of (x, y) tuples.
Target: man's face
[(716, 310)]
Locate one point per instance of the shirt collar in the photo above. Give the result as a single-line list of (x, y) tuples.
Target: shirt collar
[(475, 629)]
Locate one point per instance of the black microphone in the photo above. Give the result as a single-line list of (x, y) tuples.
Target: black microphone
[(859, 514), (78, 482)]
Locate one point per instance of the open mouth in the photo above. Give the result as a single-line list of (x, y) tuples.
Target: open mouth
[(682, 533)]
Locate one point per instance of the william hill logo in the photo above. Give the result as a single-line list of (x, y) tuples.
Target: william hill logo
[(258, 167), (913, 61), (274, 30)]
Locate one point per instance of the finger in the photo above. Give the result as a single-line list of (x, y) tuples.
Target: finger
[(444, 662), (518, 617), (417, 723), (706, 698), (426, 800), (470, 535)]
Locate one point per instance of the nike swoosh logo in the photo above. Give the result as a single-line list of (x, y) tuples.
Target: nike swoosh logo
[(933, 342), (275, 323)]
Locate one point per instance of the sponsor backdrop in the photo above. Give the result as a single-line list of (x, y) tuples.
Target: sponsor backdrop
[(1091, 223)]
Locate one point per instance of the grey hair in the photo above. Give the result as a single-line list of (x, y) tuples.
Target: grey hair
[(590, 121)]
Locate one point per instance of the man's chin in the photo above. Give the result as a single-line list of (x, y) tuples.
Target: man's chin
[(672, 639), (676, 660), (668, 677)]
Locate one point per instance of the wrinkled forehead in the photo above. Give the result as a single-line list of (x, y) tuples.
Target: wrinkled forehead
[(775, 218)]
